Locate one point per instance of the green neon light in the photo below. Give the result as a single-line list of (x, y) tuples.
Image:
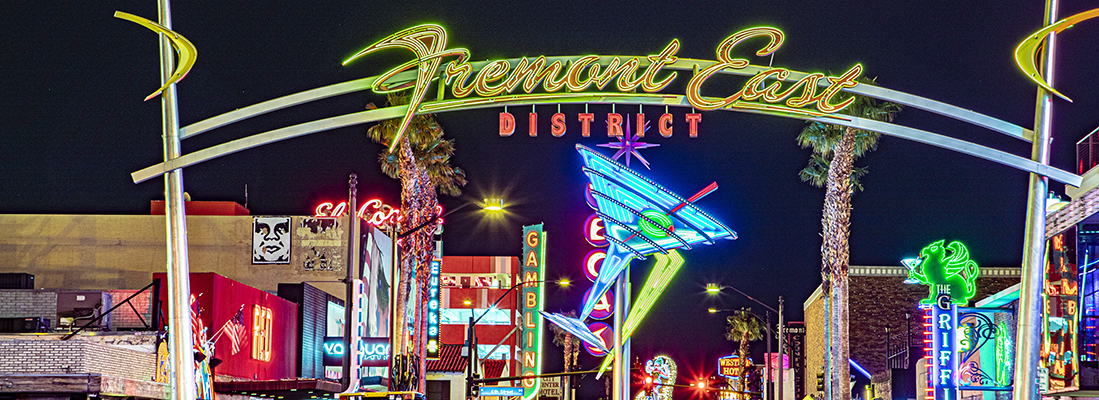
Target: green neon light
[(1028, 49), (659, 278), (657, 217), (1003, 355), (187, 52), (944, 267), (964, 341)]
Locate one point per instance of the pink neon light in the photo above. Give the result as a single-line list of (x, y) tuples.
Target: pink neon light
[(378, 213)]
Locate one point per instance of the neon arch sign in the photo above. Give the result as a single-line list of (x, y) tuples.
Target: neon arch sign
[(807, 96)]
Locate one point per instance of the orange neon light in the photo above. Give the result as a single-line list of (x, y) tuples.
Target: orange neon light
[(261, 333)]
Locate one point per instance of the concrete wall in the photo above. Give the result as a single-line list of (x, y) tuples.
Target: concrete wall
[(123, 251), (457, 382)]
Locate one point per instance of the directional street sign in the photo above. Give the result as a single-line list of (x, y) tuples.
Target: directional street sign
[(505, 391)]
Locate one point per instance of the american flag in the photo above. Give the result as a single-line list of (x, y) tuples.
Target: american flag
[(234, 328)]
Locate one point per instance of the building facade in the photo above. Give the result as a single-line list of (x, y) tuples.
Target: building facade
[(885, 324)]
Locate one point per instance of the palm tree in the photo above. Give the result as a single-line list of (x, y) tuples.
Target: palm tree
[(744, 327), (835, 149), (570, 344), (422, 163)]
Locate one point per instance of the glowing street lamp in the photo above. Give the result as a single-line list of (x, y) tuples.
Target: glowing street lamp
[(494, 204)]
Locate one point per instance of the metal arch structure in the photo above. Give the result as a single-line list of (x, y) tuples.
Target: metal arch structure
[(441, 105)]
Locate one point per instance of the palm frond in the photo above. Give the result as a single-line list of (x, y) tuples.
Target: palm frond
[(823, 138), (430, 151), (816, 173)]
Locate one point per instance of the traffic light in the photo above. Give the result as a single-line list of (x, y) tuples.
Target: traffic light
[(820, 381), (474, 390), (755, 383)]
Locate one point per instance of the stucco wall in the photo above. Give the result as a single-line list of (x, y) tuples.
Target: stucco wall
[(123, 251), (814, 341)]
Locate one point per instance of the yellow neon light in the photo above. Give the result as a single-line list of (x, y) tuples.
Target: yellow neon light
[(497, 80), (186, 50), (659, 278), (428, 42), (1027, 51)]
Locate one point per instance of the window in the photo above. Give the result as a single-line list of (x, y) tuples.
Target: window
[(438, 390)]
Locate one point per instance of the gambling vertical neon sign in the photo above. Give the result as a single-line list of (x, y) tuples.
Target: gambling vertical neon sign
[(534, 257)]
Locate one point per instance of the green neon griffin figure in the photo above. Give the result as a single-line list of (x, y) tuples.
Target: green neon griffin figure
[(944, 268)]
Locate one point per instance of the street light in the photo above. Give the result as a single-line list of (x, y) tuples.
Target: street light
[(494, 204), (714, 289)]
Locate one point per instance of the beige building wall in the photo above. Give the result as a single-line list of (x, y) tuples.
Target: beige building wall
[(123, 251), (815, 342)]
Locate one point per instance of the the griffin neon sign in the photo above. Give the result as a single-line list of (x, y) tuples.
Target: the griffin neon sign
[(942, 266), (562, 78)]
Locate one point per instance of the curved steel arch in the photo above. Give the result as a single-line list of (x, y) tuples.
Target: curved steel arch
[(361, 117), (682, 64)]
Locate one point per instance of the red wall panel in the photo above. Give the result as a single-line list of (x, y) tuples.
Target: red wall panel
[(219, 299)]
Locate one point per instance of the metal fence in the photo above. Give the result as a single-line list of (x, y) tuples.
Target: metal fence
[(897, 349), (1087, 152)]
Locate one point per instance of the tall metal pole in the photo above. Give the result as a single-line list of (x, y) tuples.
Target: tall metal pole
[(394, 280), (770, 386), (180, 339), (781, 328), (620, 388), (1029, 333), (351, 369)]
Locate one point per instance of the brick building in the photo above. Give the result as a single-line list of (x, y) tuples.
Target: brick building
[(880, 300), (49, 367)]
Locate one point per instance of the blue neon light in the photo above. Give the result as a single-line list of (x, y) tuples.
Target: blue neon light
[(621, 196)]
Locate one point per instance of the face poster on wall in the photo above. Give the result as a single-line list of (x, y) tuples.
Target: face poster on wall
[(270, 240)]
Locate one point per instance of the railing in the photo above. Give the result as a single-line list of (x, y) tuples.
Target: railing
[(1087, 152), (896, 349), (155, 305)]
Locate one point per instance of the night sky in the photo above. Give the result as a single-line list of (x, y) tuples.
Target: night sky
[(73, 127)]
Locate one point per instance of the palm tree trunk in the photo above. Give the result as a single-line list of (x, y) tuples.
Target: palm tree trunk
[(742, 386), (422, 342), (837, 210), (418, 205)]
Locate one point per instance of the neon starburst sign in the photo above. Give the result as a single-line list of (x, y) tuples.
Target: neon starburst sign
[(628, 145)]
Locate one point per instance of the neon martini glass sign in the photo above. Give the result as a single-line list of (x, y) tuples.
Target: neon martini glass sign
[(641, 218)]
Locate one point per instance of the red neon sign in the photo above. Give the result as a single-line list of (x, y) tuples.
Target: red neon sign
[(374, 212)]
